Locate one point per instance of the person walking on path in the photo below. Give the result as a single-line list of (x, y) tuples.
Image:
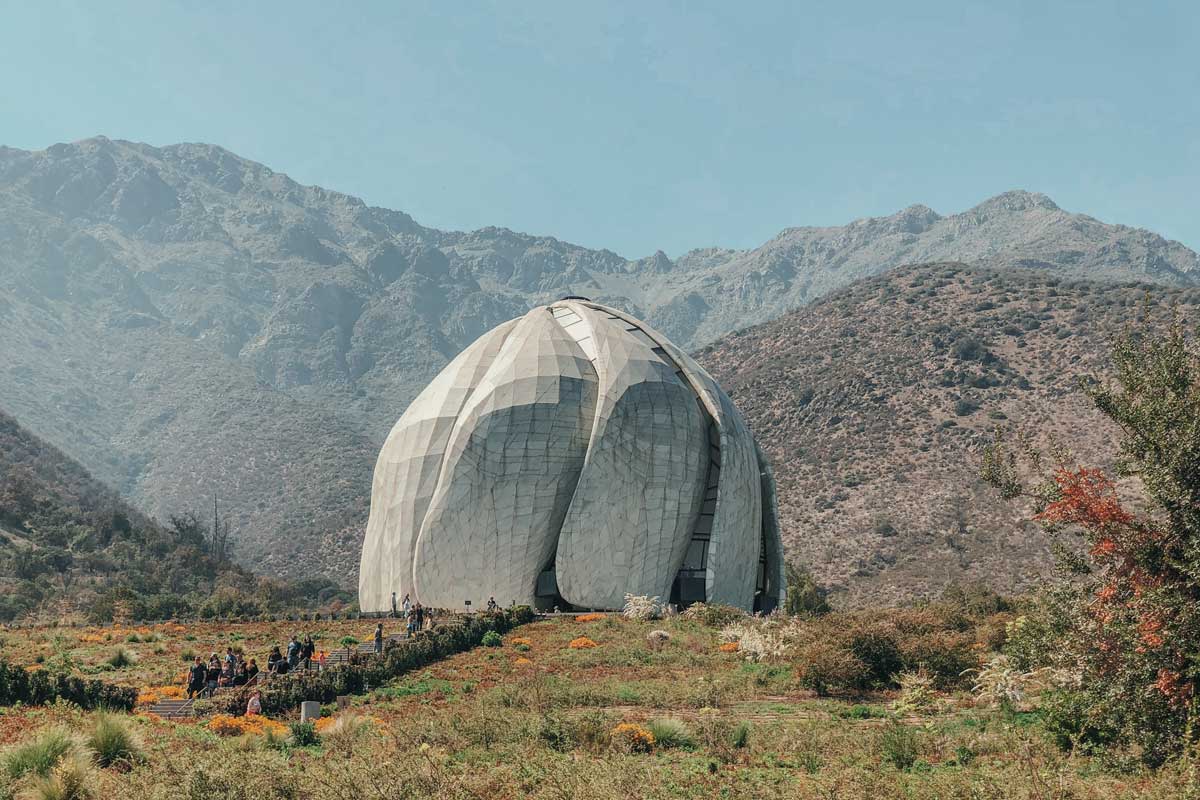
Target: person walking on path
[(379, 638), (197, 676), (395, 611), (273, 659), (306, 652), (212, 675), (293, 652)]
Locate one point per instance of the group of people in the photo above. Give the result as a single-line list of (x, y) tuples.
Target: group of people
[(232, 670), (413, 612), (300, 655), (204, 678)]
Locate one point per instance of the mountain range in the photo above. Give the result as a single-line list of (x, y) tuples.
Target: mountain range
[(192, 325)]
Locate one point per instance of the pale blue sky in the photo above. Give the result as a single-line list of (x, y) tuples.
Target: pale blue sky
[(643, 125)]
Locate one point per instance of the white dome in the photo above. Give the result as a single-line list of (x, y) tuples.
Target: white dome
[(569, 457)]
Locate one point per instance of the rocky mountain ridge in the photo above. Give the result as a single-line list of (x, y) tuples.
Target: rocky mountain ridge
[(874, 404), (190, 324)]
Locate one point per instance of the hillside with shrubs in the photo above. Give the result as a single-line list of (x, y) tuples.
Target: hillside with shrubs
[(874, 404), (70, 546)]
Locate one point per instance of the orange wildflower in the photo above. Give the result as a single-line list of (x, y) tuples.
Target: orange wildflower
[(581, 643), (634, 737)]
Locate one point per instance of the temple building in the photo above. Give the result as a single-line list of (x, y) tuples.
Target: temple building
[(566, 458)]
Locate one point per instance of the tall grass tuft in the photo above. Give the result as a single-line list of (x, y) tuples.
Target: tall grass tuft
[(121, 658), (741, 735), (899, 745), (72, 779), (671, 733), (38, 757), (112, 743)]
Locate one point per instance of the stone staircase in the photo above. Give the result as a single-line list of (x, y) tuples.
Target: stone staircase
[(173, 709), (340, 656)]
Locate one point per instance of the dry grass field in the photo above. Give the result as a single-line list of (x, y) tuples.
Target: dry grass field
[(544, 714)]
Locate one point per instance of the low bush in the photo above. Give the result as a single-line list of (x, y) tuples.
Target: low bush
[(304, 734), (875, 646), (642, 608), (492, 639), (40, 687), (671, 733), (899, 746), (946, 655), (825, 667), (713, 615), (632, 738)]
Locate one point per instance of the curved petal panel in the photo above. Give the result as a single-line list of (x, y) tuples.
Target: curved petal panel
[(735, 542), (510, 470), (407, 470), (634, 509)]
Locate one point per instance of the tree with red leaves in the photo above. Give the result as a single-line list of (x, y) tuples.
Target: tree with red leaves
[(1126, 621)]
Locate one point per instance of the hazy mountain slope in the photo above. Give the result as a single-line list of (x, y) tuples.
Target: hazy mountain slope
[(188, 323), (874, 401), (65, 538)]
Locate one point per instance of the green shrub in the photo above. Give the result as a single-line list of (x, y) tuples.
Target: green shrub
[(39, 756), (876, 648), (112, 742), (671, 733), (492, 639), (304, 734), (804, 596), (41, 687), (593, 730), (946, 655), (859, 711), (1067, 716), (899, 745), (554, 733)]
